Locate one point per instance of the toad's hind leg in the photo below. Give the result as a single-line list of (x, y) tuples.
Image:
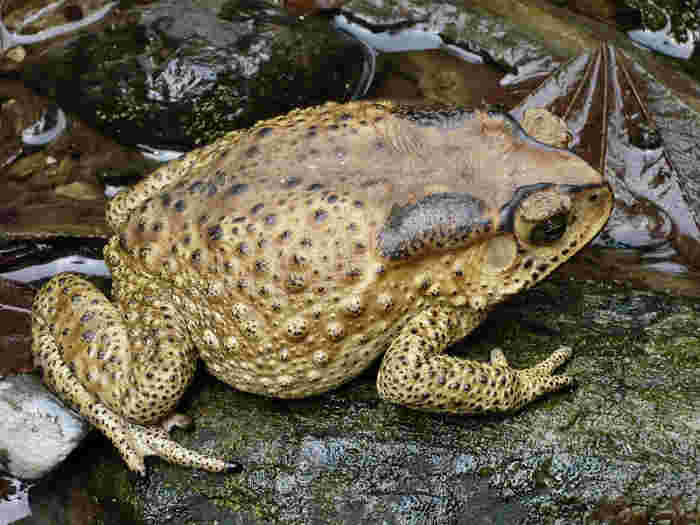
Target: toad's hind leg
[(124, 373), (415, 372)]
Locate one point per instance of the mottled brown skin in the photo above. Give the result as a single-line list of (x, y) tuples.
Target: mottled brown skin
[(288, 257)]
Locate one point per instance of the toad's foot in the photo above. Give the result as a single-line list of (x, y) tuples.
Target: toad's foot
[(538, 380), (135, 442), (124, 372), (417, 374)]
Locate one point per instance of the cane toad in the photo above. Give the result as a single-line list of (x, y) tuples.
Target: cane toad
[(289, 256)]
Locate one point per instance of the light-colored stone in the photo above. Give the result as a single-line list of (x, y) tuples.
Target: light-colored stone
[(37, 431)]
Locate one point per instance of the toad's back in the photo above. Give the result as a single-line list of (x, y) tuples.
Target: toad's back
[(325, 181)]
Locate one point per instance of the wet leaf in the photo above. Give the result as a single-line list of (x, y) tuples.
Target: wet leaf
[(15, 328), (51, 187)]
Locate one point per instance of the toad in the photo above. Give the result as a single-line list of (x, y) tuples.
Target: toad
[(289, 256)]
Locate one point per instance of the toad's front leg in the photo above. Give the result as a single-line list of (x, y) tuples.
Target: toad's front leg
[(124, 373), (415, 372)]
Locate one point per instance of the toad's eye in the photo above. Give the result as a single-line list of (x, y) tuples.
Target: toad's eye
[(549, 230)]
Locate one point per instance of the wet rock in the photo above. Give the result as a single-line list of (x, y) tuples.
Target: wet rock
[(37, 432), (175, 74), (630, 428)]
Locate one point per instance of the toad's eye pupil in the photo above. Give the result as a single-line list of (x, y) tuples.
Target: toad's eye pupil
[(550, 230)]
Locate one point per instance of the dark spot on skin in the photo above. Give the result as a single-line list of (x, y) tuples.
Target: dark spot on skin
[(186, 239), (215, 232), (358, 204), (332, 198), (165, 200), (314, 151), (315, 186), (306, 242), (88, 335), (141, 226), (237, 189), (87, 316), (320, 215), (252, 151), (211, 189), (255, 209), (196, 256), (239, 219), (157, 226), (263, 132), (180, 206), (243, 248), (286, 234), (345, 116), (202, 219), (270, 219)]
